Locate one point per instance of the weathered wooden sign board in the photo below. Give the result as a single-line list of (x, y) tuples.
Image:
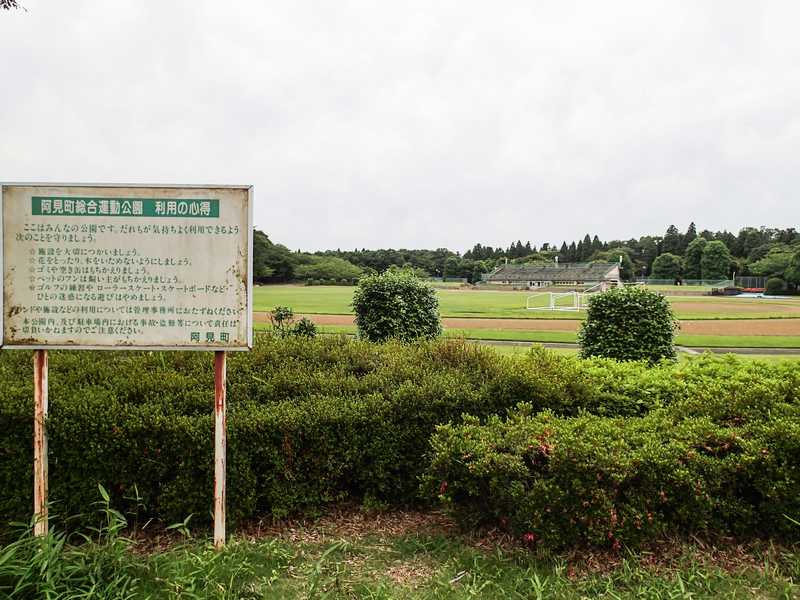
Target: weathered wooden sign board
[(114, 267), (136, 267)]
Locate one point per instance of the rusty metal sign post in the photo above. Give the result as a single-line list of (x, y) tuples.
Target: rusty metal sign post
[(40, 442), (220, 446), (126, 267)]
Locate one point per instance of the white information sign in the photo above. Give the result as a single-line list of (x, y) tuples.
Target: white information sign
[(125, 266)]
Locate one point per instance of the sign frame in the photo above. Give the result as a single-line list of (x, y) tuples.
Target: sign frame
[(40, 369), (192, 348)]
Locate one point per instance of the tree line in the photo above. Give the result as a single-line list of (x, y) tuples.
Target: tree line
[(675, 255)]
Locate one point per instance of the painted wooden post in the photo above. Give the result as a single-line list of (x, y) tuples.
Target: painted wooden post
[(40, 442), (220, 447)]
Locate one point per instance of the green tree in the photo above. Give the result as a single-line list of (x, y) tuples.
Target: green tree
[(694, 256), (272, 263), (689, 236), (411, 269), (396, 305), (667, 266), (716, 261), (792, 273), (629, 323), (613, 255), (673, 241), (328, 267), (774, 263), (451, 267)]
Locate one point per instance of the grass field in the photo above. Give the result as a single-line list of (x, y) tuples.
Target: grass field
[(396, 556), (691, 341), (519, 349), (506, 304), (709, 322)]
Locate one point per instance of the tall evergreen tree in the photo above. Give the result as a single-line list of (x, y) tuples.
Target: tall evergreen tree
[(587, 248), (672, 241), (573, 252), (689, 236), (694, 258)]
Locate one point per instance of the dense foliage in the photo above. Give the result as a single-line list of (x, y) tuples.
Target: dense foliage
[(715, 263), (760, 252), (775, 285), (328, 269), (721, 459), (668, 266), (396, 305), (312, 422), (630, 323)]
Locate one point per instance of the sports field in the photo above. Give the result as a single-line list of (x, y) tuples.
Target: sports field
[(501, 315), (335, 300)]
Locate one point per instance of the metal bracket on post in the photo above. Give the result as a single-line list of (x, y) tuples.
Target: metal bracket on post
[(220, 447), (40, 442)]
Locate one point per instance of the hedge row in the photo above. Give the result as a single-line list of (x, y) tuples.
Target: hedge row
[(725, 460), (310, 421)]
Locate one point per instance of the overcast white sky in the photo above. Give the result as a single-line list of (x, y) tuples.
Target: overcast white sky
[(419, 123)]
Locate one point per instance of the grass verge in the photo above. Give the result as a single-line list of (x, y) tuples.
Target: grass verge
[(390, 556)]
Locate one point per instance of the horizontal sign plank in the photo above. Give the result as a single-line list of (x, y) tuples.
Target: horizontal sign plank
[(134, 267)]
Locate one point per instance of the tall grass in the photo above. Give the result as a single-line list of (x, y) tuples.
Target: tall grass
[(104, 563)]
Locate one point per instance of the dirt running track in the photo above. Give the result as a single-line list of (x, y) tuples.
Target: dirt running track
[(716, 327)]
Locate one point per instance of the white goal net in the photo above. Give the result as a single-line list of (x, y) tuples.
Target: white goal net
[(562, 301)]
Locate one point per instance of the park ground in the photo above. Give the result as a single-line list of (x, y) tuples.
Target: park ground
[(411, 555), (490, 315)]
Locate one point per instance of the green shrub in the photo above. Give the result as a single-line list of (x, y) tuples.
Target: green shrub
[(284, 324), (630, 323), (396, 305), (775, 286), (305, 328), (310, 422), (314, 422), (611, 481)]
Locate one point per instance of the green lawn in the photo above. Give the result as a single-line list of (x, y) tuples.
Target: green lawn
[(408, 557), (503, 304), (691, 341), (428, 567), (680, 288), (518, 350)]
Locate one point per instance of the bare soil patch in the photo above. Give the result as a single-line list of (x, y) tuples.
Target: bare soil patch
[(722, 307), (352, 523), (766, 327)]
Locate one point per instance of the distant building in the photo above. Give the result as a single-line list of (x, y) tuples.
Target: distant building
[(540, 275)]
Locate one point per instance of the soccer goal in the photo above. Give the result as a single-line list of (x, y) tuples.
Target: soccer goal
[(562, 301)]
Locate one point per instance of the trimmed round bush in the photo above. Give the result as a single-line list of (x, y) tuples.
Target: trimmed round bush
[(629, 323), (396, 305), (775, 286)]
